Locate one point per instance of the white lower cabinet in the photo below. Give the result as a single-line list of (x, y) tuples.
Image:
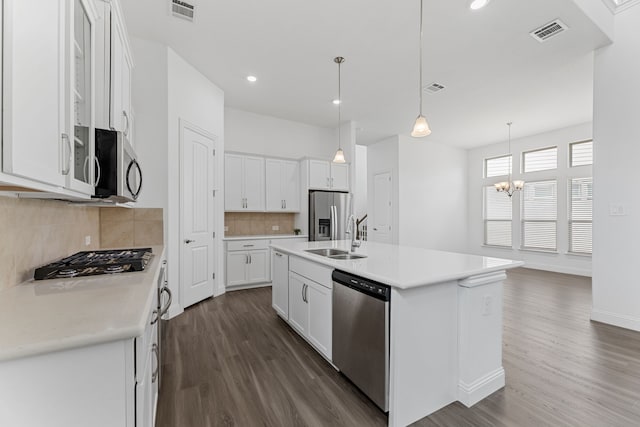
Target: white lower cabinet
[(310, 311), (280, 284), (247, 262)]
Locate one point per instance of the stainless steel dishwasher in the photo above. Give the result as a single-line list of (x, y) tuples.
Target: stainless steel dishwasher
[(361, 334)]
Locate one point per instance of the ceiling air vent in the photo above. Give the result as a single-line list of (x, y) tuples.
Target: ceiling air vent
[(433, 88), (182, 9), (549, 30)]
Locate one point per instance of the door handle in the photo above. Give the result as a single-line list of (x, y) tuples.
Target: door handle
[(98, 170), (375, 229), (187, 241), (154, 375), (65, 139), (164, 309)]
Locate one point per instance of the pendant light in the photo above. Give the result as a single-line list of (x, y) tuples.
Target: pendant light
[(509, 187), (339, 157), (420, 127)]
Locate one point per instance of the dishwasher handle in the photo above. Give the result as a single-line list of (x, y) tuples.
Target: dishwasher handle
[(370, 287)]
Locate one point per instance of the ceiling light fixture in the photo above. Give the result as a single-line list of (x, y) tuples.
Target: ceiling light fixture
[(509, 187), (252, 79), (478, 4), (339, 157), (420, 127), (336, 101)]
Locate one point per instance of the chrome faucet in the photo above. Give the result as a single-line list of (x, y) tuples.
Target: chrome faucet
[(352, 228)]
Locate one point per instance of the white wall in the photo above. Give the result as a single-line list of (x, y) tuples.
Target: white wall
[(270, 136), (383, 157), (560, 261), (193, 98), (432, 195), (616, 288), (360, 176), (165, 90)]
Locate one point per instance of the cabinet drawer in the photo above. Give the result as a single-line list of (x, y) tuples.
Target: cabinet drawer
[(311, 270), (143, 346), (247, 245)]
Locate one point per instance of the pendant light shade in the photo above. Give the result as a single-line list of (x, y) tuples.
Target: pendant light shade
[(420, 127), (339, 157), (509, 187)]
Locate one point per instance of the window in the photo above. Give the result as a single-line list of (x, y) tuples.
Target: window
[(581, 153), (580, 215), (540, 160), (498, 166), (497, 218), (539, 215)]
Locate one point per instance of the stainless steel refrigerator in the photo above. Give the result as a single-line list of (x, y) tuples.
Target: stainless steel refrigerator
[(328, 214)]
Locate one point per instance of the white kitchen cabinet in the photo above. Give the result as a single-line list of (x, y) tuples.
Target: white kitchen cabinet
[(280, 283), (244, 183), (247, 262), (310, 311), (282, 185), (121, 67), (325, 175)]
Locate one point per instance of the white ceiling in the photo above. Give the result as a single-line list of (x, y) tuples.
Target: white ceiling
[(493, 70)]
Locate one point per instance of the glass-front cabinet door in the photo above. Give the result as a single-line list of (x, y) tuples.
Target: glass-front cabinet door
[(85, 168)]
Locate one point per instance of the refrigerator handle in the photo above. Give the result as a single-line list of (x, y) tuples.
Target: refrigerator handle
[(333, 222)]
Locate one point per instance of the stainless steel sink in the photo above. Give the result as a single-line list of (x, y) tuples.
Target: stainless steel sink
[(347, 256), (327, 252)]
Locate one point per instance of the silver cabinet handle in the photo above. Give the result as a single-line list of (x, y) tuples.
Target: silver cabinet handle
[(302, 291), (156, 317), (246, 258), (247, 246), (67, 142), (165, 309), (154, 375), (328, 185), (285, 204), (331, 182), (85, 172), (187, 241), (126, 128), (95, 184), (249, 258)]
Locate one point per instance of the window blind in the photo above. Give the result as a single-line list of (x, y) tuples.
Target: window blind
[(497, 218), (540, 215), (581, 153), (498, 166), (580, 215), (540, 160)]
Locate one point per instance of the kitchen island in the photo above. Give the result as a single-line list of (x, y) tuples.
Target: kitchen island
[(445, 320)]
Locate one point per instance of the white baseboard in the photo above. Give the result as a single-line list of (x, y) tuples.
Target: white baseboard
[(470, 394), (252, 286), (558, 269), (620, 320)]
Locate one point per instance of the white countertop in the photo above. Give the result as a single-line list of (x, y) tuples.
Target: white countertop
[(400, 266), (268, 236), (50, 315)]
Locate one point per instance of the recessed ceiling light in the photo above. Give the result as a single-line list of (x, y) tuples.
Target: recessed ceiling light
[(252, 79), (336, 101), (478, 4)]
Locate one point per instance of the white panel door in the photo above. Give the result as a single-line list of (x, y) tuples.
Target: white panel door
[(339, 176), (290, 175), (237, 268), (298, 308), (233, 197), (380, 229), (253, 171), (33, 72), (273, 184), (197, 216), (258, 267), (319, 174), (280, 284), (320, 317)]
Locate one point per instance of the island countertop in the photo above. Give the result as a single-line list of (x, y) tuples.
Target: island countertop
[(44, 316), (401, 267)]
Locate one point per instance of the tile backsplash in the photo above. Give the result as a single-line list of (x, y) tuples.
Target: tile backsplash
[(257, 223), (122, 227), (36, 232)]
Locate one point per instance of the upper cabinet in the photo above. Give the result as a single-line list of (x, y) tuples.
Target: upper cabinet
[(113, 71), (325, 175), (282, 185), (244, 183), (47, 79)]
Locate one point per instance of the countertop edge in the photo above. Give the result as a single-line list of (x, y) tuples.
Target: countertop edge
[(266, 237)]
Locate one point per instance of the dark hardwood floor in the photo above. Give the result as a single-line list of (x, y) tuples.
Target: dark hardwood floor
[(231, 361)]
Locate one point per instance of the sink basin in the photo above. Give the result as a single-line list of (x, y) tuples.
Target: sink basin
[(347, 256), (327, 252)]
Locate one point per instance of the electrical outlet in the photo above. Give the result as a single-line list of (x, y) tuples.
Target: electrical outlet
[(87, 240), (487, 305), (275, 228), (618, 210), (226, 228)]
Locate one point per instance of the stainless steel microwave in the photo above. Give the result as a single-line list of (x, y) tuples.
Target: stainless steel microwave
[(118, 175)]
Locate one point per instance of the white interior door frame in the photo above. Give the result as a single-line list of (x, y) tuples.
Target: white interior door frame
[(385, 236), (214, 208)]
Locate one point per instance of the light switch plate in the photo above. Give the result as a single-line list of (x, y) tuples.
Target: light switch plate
[(87, 240)]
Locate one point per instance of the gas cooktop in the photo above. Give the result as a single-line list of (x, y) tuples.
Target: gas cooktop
[(90, 263)]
